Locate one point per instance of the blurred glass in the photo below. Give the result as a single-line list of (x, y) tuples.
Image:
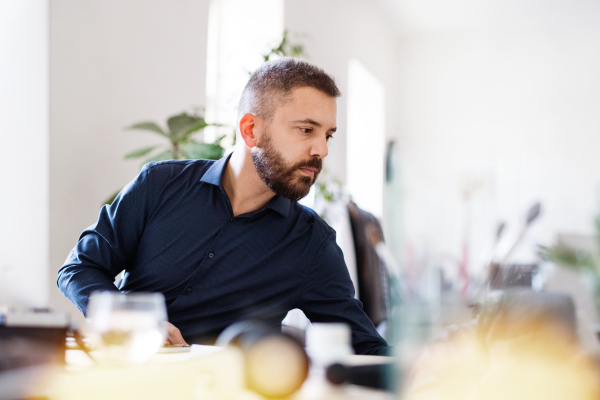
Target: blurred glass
[(127, 328)]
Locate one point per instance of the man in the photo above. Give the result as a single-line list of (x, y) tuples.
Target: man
[(226, 241)]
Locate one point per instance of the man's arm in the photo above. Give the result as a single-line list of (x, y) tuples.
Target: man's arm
[(105, 248), (328, 296)]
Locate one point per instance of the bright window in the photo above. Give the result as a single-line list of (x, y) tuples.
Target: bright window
[(239, 33), (24, 153), (366, 139)]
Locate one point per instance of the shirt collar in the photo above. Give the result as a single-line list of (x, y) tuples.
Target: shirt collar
[(214, 174)]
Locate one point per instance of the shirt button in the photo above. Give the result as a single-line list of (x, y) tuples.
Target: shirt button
[(188, 290), (211, 255), (231, 219)]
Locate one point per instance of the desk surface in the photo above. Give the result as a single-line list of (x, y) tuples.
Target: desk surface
[(175, 371)]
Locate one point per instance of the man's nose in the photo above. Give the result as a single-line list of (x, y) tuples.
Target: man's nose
[(319, 148)]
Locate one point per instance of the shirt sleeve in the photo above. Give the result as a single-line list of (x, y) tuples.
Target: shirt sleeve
[(328, 296), (106, 248)]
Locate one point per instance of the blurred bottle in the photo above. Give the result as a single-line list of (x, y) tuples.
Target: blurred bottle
[(328, 343), (276, 364), (126, 328)]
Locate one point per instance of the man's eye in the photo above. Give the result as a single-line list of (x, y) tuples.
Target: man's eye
[(328, 137), (306, 130)]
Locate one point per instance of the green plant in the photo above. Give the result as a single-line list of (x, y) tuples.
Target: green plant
[(286, 49), (585, 262), (328, 188), (181, 143)]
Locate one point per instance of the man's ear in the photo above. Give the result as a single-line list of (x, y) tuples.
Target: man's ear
[(247, 128)]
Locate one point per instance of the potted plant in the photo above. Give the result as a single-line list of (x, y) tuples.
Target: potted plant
[(180, 141)]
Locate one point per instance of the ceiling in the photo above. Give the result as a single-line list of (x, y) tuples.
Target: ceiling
[(411, 16)]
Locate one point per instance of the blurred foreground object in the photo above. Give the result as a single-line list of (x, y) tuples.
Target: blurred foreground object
[(524, 346), (30, 337), (583, 260), (328, 343), (218, 376), (275, 364), (375, 375), (127, 327), (32, 342)]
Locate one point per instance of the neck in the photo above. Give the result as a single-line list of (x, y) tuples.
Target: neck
[(246, 191)]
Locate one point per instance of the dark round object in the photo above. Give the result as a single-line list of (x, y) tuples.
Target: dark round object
[(337, 374)]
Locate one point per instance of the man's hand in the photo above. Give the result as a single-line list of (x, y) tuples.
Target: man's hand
[(173, 335)]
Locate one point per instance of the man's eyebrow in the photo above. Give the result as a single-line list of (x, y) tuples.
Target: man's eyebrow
[(315, 123)]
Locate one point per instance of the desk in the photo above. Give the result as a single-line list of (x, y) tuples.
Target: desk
[(177, 376)]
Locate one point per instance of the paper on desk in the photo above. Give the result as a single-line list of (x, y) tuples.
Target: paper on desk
[(200, 350)]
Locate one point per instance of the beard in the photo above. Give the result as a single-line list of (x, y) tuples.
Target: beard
[(280, 177)]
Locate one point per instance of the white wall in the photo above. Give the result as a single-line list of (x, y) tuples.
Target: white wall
[(334, 32), (24, 152), (113, 63), (514, 104)]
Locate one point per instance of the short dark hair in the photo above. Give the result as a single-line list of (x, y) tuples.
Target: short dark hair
[(271, 85)]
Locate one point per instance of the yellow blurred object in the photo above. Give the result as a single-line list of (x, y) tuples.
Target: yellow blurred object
[(218, 376), (539, 362), (180, 376), (276, 366)]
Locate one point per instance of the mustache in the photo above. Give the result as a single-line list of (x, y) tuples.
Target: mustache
[(315, 162)]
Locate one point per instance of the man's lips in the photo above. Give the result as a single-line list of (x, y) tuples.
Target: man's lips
[(309, 171)]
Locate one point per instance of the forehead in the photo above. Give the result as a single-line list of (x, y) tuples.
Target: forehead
[(308, 103)]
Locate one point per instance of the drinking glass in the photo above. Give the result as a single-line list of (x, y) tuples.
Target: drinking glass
[(127, 327)]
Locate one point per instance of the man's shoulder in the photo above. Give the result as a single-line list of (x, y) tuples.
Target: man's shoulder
[(311, 217), (193, 169), (180, 165)]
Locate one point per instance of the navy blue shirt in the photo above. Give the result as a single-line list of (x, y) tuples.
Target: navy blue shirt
[(173, 231)]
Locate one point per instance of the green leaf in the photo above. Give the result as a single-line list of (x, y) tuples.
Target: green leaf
[(165, 155), (218, 141), (209, 151), (182, 125), (285, 48), (148, 126), (296, 50), (139, 152), (575, 259)]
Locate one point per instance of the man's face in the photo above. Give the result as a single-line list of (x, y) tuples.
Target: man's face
[(290, 150)]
